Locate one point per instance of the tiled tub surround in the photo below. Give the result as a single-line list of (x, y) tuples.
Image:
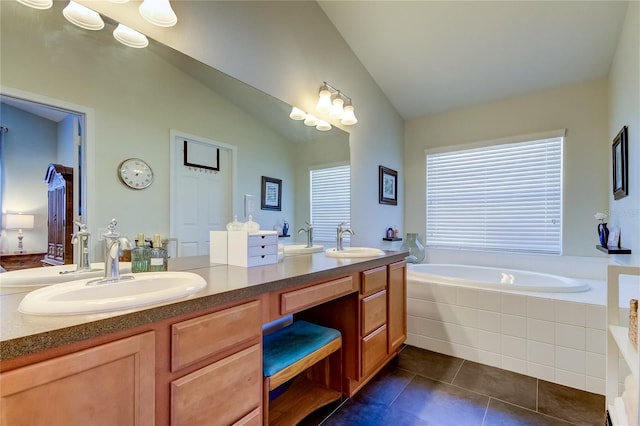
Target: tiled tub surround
[(557, 337)]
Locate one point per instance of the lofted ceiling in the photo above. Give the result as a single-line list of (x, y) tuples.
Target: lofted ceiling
[(434, 56)]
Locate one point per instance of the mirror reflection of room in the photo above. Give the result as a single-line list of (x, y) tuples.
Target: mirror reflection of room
[(145, 99)]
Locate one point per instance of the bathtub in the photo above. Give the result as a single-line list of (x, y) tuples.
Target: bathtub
[(493, 278), (545, 326)]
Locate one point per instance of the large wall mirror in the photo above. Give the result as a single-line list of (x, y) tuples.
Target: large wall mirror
[(131, 103)]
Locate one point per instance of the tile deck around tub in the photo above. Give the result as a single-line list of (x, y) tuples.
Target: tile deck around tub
[(460, 393)]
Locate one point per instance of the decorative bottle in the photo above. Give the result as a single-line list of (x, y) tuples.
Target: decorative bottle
[(158, 258), (140, 255), (603, 233), (415, 248)]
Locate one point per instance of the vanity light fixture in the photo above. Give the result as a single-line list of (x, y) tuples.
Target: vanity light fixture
[(129, 37), (83, 17), (336, 104), (37, 4), (158, 12)]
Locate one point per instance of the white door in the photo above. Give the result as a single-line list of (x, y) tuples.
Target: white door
[(200, 197)]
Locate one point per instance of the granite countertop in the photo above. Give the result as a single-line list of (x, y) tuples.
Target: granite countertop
[(22, 334)]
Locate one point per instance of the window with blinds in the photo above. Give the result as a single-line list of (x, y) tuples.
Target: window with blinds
[(330, 201), (505, 197)]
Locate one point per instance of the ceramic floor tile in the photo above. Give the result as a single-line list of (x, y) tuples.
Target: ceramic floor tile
[(573, 405), (501, 384), (357, 413), (386, 386), (441, 404), (429, 364), (502, 413)]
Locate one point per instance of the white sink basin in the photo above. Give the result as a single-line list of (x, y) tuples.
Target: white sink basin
[(293, 249), (78, 297), (352, 252), (47, 275)]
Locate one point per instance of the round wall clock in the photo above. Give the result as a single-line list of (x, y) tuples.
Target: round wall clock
[(135, 173)]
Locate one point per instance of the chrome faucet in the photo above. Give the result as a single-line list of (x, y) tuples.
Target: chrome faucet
[(113, 245), (309, 231), (340, 232)]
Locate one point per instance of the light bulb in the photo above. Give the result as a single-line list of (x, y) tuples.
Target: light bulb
[(83, 17), (336, 107), (297, 114), (323, 126), (129, 37), (37, 4), (310, 120), (324, 103), (158, 12), (348, 117)]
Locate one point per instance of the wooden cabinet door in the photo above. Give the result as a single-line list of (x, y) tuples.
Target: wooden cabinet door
[(397, 308), (110, 384)]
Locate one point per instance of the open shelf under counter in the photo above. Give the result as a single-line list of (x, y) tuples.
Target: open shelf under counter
[(629, 353)]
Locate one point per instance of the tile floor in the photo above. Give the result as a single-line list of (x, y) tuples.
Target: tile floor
[(421, 387)]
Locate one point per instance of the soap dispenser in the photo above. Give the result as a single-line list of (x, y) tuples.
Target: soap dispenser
[(140, 255), (158, 258)]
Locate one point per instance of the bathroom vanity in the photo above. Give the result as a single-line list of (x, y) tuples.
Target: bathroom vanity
[(199, 360)]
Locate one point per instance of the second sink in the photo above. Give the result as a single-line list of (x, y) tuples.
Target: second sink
[(293, 249), (353, 252)]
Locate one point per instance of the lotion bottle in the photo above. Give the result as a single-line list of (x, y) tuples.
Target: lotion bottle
[(140, 256), (158, 259)]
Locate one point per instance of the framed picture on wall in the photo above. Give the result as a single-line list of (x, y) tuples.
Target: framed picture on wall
[(387, 186), (271, 194), (620, 161)]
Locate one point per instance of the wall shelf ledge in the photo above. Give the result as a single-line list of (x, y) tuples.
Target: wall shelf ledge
[(613, 250)]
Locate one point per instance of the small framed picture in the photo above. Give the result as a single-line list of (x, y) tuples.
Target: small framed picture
[(271, 194), (620, 161), (387, 186)]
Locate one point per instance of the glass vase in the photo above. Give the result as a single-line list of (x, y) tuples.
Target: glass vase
[(415, 248)]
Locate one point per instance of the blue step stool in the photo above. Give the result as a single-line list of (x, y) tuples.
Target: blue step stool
[(286, 353)]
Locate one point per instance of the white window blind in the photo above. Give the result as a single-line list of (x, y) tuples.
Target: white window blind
[(330, 201), (505, 197)]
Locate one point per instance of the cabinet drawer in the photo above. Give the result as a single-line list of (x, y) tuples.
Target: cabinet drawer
[(374, 350), (220, 393), (254, 418), (298, 300), (374, 280), (262, 250), (374, 312), (262, 239), (262, 260), (201, 337)]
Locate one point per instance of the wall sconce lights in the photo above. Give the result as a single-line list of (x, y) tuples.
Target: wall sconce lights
[(158, 12), (331, 101), (336, 104)]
